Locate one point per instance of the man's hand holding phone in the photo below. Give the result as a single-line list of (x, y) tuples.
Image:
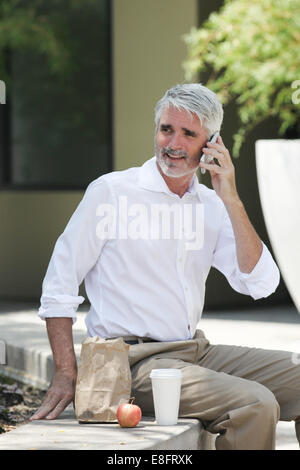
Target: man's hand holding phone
[(223, 174)]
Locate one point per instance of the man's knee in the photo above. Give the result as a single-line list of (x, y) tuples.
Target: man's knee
[(263, 401)]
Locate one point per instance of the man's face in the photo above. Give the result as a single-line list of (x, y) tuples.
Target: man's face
[(178, 142)]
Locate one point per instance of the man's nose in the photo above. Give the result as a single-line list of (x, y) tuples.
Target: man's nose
[(176, 142)]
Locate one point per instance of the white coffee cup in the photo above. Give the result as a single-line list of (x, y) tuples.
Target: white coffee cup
[(166, 387)]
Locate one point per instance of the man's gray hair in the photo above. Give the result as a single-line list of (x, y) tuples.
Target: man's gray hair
[(194, 98)]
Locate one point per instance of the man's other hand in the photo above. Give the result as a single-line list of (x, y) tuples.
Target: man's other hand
[(61, 392)]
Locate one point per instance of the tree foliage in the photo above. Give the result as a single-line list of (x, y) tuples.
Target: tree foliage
[(251, 53)]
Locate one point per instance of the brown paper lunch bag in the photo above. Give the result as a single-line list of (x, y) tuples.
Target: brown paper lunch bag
[(103, 380)]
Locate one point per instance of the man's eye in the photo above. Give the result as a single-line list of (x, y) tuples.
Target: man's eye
[(189, 134)]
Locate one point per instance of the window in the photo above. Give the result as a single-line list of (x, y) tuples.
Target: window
[(56, 129)]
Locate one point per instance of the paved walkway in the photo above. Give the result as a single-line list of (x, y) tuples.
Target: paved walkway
[(27, 346)]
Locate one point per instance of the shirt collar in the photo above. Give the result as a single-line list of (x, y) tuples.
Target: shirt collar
[(151, 179)]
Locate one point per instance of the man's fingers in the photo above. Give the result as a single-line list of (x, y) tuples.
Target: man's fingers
[(211, 167), (48, 405), (220, 147), (41, 412), (215, 154), (58, 409)]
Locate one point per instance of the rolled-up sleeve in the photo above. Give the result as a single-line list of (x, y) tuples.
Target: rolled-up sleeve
[(75, 253), (264, 278)]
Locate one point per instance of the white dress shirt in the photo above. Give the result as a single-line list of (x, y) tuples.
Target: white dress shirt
[(140, 281)]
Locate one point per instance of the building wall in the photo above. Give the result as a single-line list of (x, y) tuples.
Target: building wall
[(31, 221), (148, 54)]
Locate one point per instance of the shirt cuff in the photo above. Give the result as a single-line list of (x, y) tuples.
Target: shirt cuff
[(59, 306), (264, 277)]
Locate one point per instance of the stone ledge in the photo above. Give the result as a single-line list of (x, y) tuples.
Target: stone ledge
[(65, 433)]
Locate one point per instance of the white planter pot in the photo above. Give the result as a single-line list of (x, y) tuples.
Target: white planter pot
[(278, 173)]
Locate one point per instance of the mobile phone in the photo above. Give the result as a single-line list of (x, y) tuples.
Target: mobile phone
[(208, 158)]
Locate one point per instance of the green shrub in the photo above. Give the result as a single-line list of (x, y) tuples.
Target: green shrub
[(251, 53)]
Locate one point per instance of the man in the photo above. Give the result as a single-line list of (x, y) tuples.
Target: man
[(145, 279)]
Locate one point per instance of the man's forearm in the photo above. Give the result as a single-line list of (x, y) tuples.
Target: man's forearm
[(61, 341), (62, 388), (248, 243)]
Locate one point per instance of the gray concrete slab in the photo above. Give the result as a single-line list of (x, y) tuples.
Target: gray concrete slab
[(65, 433)]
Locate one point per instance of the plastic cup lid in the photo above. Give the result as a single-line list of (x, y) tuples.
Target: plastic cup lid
[(158, 373)]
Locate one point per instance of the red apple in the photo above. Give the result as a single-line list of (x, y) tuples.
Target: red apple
[(128, 414)]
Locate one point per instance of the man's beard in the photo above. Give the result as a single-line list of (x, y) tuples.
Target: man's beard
[(169, 168)]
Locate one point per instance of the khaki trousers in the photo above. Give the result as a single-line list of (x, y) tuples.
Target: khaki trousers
[(237, 392)]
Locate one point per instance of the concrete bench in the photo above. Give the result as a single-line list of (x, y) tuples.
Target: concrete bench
[(65, 433)]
